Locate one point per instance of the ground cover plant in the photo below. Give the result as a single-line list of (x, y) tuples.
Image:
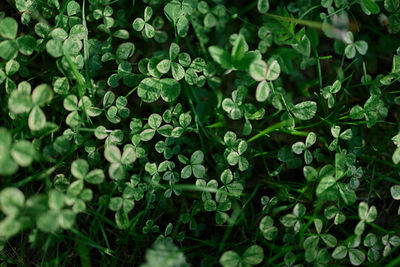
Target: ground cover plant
[(199, 133)]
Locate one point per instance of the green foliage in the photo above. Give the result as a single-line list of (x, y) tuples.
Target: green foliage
[(199, 133)]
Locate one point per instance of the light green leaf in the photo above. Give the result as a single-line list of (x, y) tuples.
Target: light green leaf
[(229, 259), (339, 253), (197, 157), (263, 91), (56, 200), (128, 155), (23, 152), (73, 8), (396, 156), (178, 72), (19, 102), (138, 24), (350, 51), (66, 219), (164, 66), (170, 89), (26, 44), (305, 110), (395, 191), (258, 70), (95, 176), (263, 6), (370, 7), (325, 184), (112, 154), (220, 56), (298, 147), (37, 119), (79, 168), (42, 94), (362, 47), (182, 26), (356, 256), (238, 49), (253, 255), (226, 176), (186, 172), (8, 28), (48, 221), (273, 70), (11, 201), (149, 90), (8, 49)]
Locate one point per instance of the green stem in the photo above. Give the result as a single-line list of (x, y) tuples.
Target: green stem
[(270, 129)]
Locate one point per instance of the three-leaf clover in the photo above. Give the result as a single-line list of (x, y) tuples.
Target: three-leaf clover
[(351, 46), (329, 187), (80, 170), (194, 165), (20, 153), (233, 187), (12, 203), (10, 45), (235, 157), (310, 244), (22, 101), (329, 91), (371, 242), (367, 215), (177, 12), (124, 204), (84, 105), (143, 25), (269, 231), (345, 135), (294, 219), (57, 216), (356, 256), (388, 242), (301, 147), (150, 89), (264, 72), (233, 106), (374, 109), (190, 217), (253, 255), (119, 161), (178, 72), (332, 212)]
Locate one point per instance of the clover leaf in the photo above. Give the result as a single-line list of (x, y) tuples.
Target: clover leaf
[(301, 147), (356, 256), (253, 255), (345, 135), (14, 154), (143, 26), (119, 161), (194, 166), (263, 72), (367, 215), (22, 101), (11, 45), (57, 216), (351, 46), (329, 91)]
